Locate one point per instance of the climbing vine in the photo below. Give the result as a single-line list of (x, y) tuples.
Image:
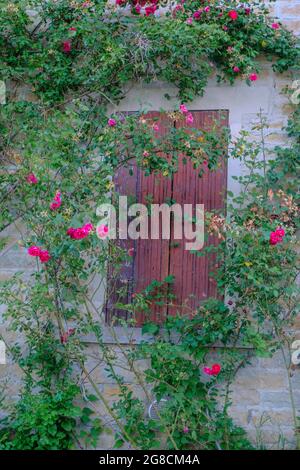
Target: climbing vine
[(66, 65)]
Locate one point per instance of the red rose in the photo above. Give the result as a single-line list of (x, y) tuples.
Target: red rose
[(215, 369), (67, 46), (44, 256), (150, 10), (253, 77), (197, 15), (233, 15)]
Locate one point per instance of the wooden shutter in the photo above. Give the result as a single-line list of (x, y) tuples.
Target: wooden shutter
[(156, 259)]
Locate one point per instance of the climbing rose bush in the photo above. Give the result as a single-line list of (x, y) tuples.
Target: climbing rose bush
[(59, 151)]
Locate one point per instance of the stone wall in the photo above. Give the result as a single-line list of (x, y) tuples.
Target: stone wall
[(260, 398)]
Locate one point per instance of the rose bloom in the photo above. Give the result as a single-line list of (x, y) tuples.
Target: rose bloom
[(67, 46), (102, 231), (44, 256), (207, 370), (34, 251), (277, 236), (150, 10), (236, 69), (216, 369), (274, 239), (80, 232), (197, 15), (189, 118), (56, 203), (112, 122), (253, 77), (280, 232), (31, 178), (233, 15), (183, 109), (275, 25)]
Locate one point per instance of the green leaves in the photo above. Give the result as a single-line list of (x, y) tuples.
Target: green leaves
[(59, 131)]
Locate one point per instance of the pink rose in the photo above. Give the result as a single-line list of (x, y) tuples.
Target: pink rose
[(56, 203), (156, 127), (185, 429), (67, 46), (253, 77), (183, 109), (216, 369), (150, 10), (44, 256), (189, 21), (247, 11), (80, 232), (207, 9), (88, 228), (277, 236), (274, 239), (189, 118), (233, 15), (236, 69), (31, 178), (112, 122), (207, 370), (34, 251), (275, 25), (102, 231), (280, 232), (197, 15)]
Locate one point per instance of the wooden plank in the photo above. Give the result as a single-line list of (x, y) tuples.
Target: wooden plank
[(192, 281), (152, 256)]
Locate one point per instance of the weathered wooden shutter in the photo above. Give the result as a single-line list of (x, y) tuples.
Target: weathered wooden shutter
[(157, 259)]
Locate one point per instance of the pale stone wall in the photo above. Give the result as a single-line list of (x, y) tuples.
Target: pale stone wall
[(261, 389)]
